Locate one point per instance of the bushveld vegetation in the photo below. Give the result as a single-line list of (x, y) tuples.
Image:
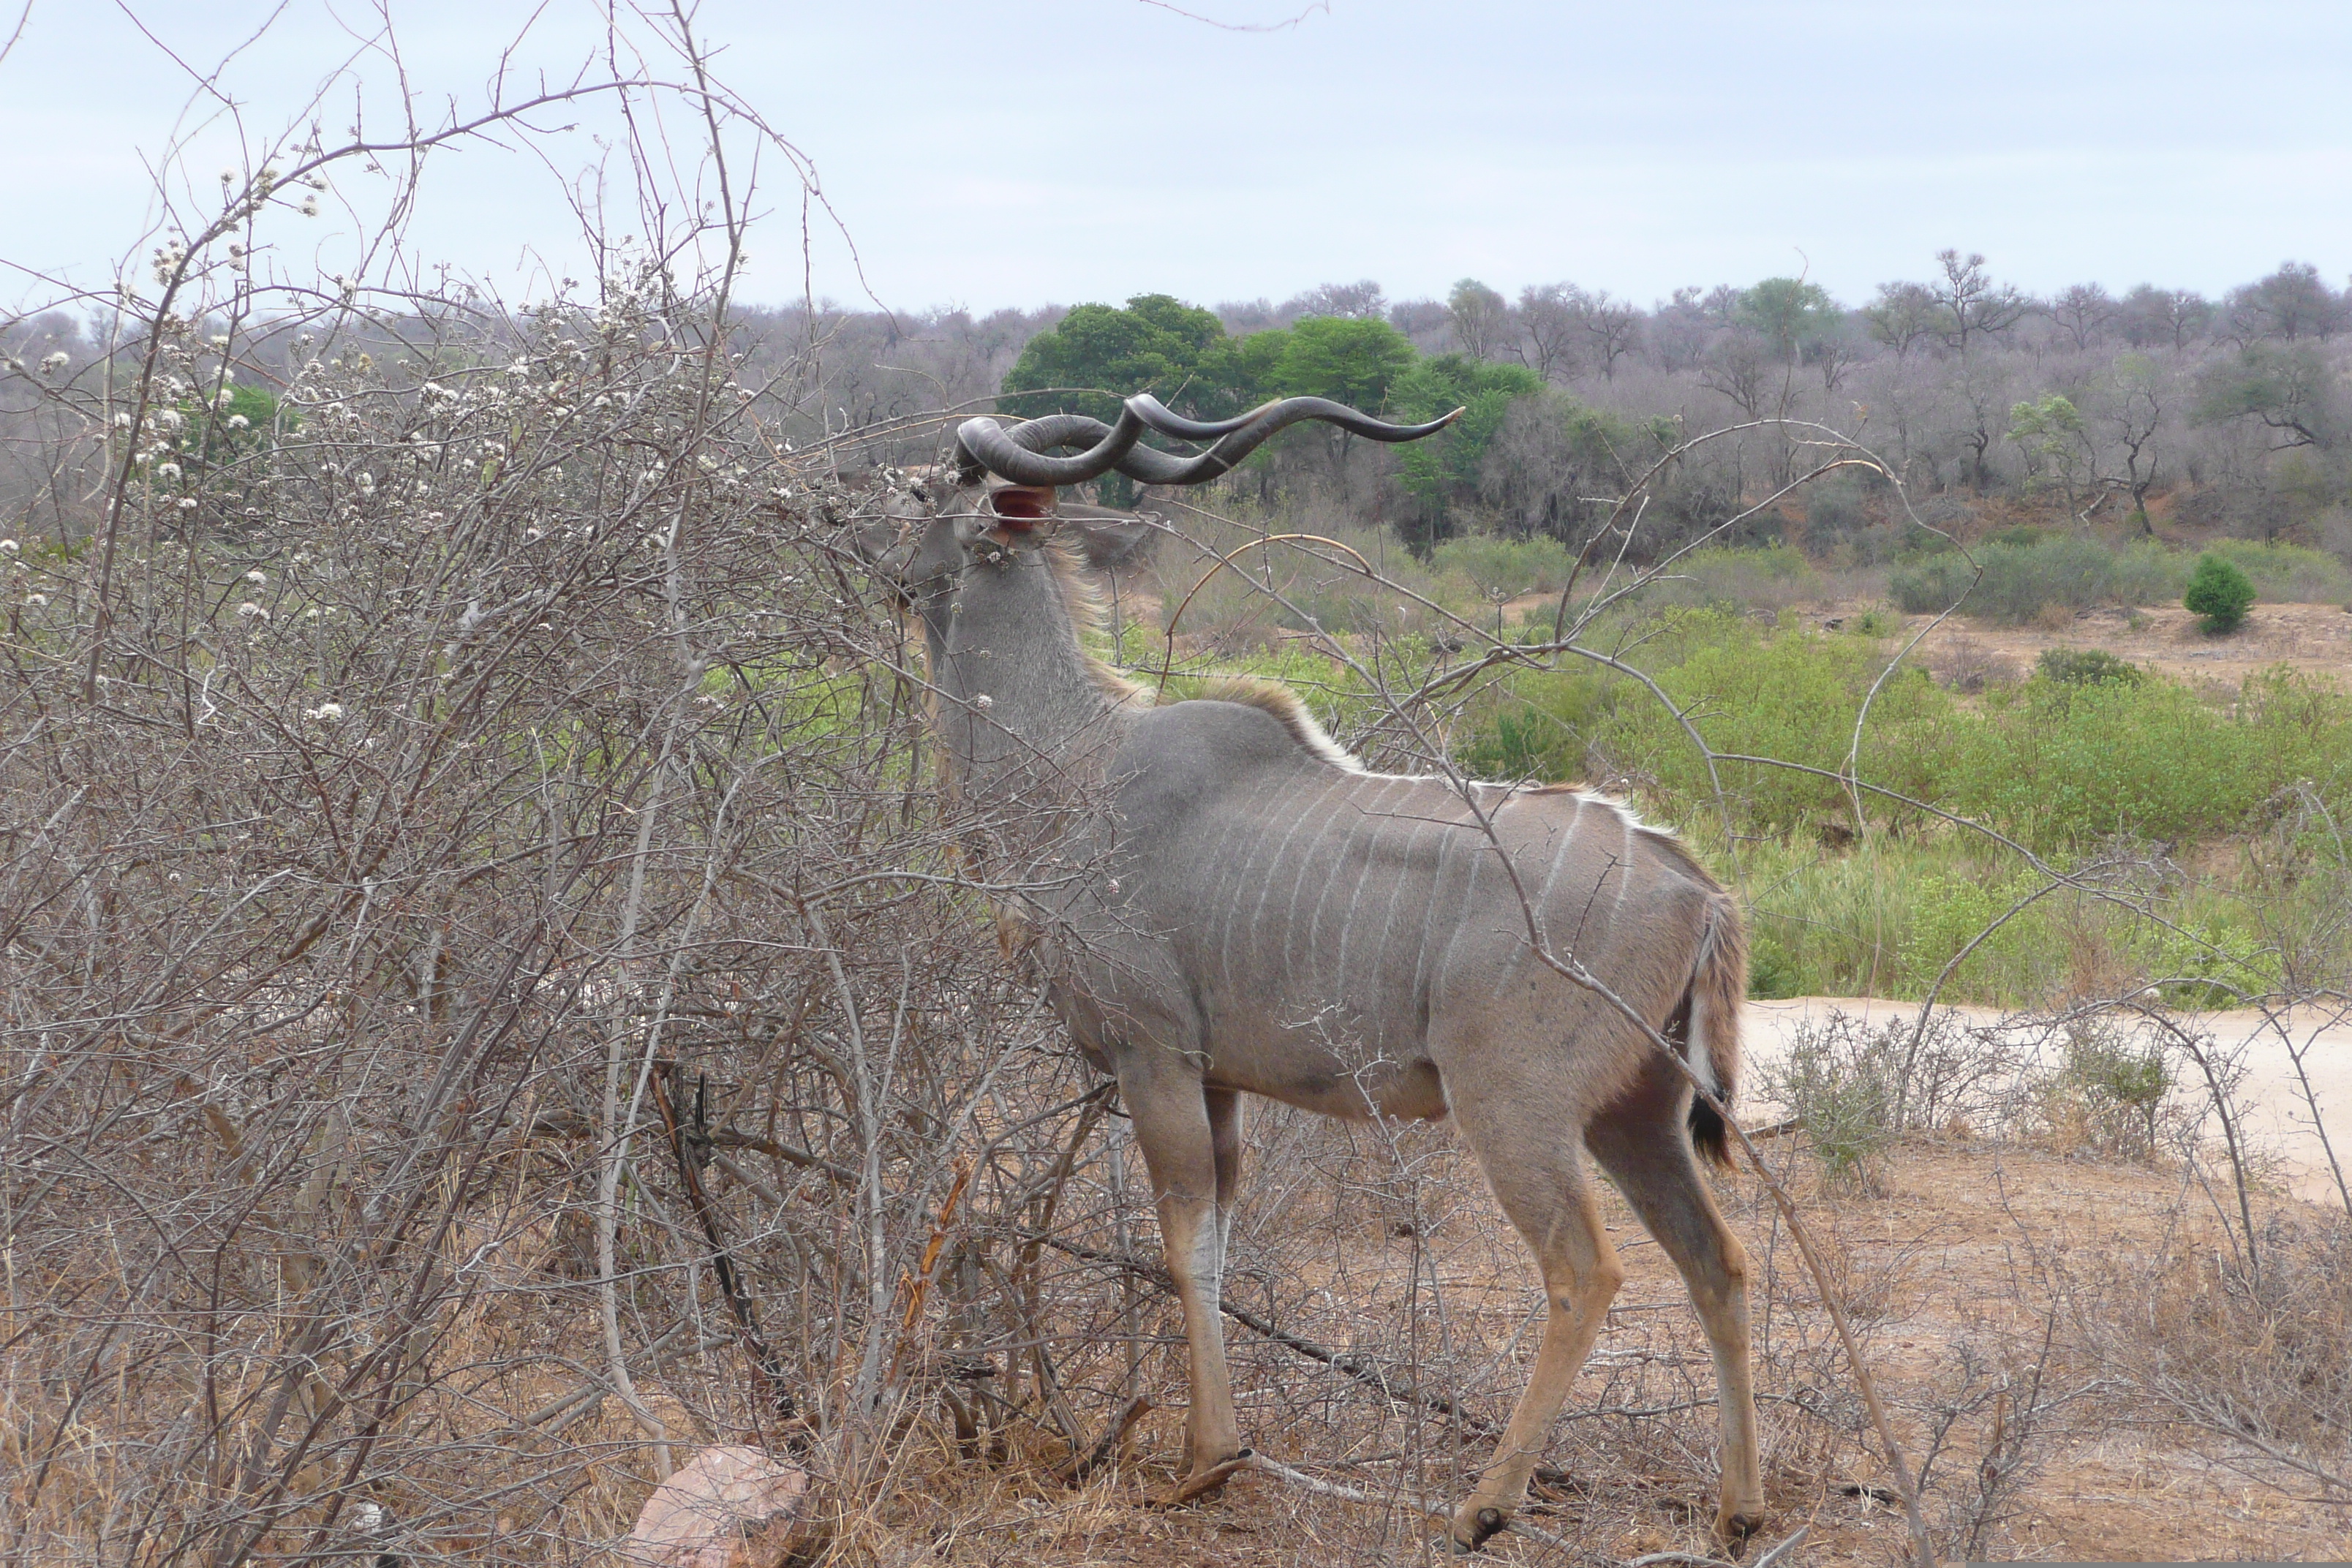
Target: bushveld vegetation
[(2089, 763), (494, 1000)]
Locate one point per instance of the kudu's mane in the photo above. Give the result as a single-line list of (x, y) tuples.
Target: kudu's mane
[(1083, 599), (1284, 705)]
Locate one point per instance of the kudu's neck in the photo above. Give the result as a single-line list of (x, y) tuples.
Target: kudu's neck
[(1020, 707)]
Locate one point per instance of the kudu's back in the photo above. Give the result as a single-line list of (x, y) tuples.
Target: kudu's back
[(1348, 941)]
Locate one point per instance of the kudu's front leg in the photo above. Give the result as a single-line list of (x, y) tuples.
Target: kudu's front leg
[(1191, 1141)]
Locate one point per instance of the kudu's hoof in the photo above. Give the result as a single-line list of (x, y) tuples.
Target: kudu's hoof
[(1733, 1526), (1471, 1533), (1200, 1483)]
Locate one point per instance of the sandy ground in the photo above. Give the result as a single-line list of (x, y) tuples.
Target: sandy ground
[(2279, 1112), (2315, 639), (2312, 637), (1943, 1254)]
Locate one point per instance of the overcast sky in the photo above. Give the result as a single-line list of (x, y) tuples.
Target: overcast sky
[(1038, 150)]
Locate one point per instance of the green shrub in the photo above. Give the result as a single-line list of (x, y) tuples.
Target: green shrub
[(2287, 573), (1835, 509), (2219, 594), (2086, 666), (2205, 961), (1518, 745), (1506, 568), (1841, 1080), (1951, 909), (2108, 1090), (1771, 577), (2053, 763), (2026, 572), (2147, 573), (1540, 725)]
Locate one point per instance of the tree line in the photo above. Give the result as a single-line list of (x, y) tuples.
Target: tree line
[(2157, 409)]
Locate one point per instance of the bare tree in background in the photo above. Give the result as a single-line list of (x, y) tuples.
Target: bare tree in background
[(1551, 321), (1480, 319), (1613, 327), (1363, 298), (1973, 306), (1903, 316), (2083, 311), (2172, 318)]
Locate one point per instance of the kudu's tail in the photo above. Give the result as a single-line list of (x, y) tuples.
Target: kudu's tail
[(1718, 986)]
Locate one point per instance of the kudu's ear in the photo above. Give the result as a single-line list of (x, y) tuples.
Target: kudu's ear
[(1111, 538), (884, 531)]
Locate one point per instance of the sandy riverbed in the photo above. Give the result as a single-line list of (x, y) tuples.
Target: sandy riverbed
[(2278, 1116)]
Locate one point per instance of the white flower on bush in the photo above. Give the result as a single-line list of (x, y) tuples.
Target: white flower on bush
[(252, 612), (7, 547), (168, 472), (37, 600), (325, 713), (256, 576), (53, 363), (239, 422), (187, 503)]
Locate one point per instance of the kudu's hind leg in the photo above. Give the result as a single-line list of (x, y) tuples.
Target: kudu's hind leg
[(1536, 1172), (1185, 1135), (1642, 1147)]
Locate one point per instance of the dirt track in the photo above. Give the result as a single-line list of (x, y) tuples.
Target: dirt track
[(2278, 1120), (2312, 637)]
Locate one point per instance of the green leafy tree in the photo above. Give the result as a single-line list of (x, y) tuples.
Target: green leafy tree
[(1350, 361), (2288, 390), (2056, 443), (1446, 468), (1156, 343), (216, 434), (1239, 373), (2219, 594), (1789, 313)]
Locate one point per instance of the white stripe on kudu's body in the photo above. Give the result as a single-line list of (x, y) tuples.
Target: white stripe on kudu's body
[(1247, 923)]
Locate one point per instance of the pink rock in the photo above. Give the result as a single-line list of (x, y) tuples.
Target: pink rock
[(725, 1507)]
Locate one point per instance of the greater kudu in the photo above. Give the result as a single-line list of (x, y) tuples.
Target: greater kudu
[(1237, 905)]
